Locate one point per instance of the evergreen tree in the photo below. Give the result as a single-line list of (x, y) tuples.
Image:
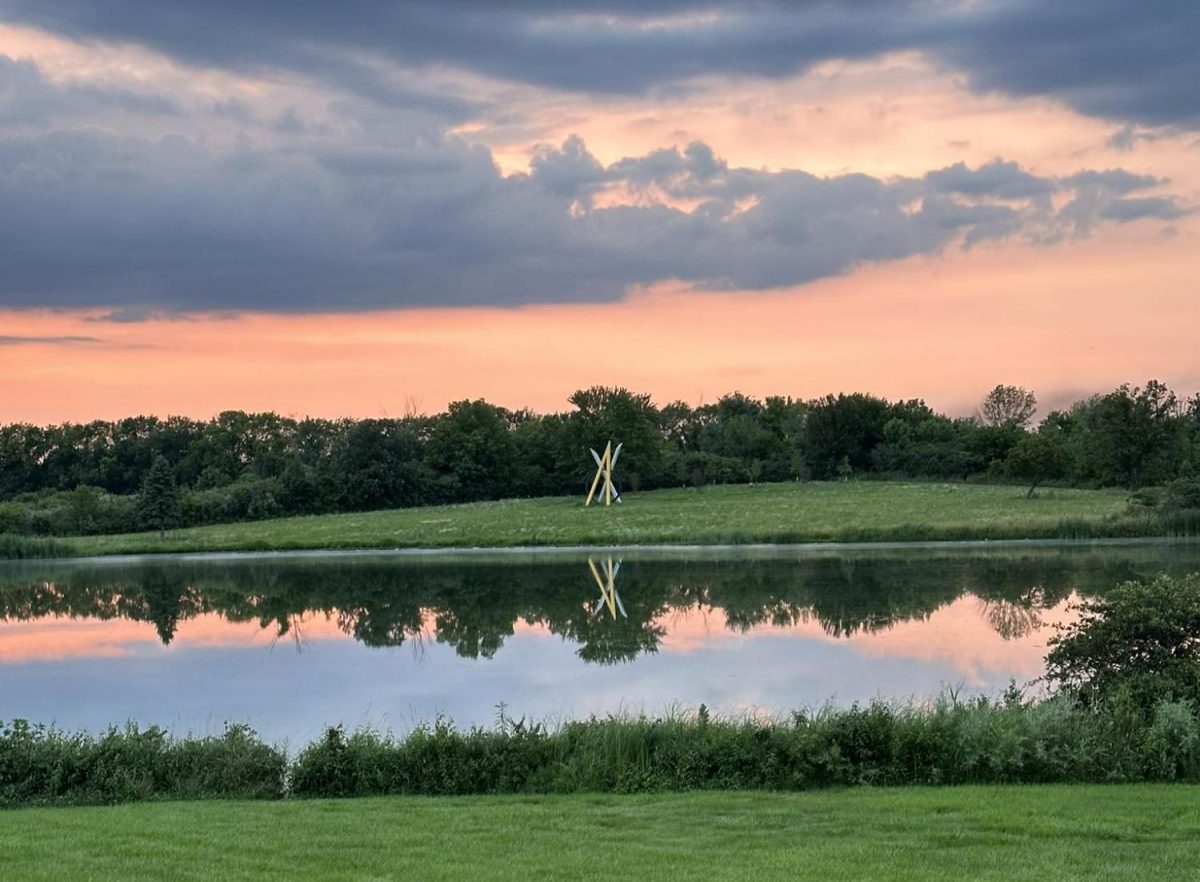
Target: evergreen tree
[(158, 502)]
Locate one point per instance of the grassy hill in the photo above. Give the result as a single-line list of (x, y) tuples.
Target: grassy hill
[(771, 513)]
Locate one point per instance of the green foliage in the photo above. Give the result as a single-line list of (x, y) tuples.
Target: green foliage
[(1182, 494), (946, 742), (605, 414), (45, 766), (158, 500), (1038, 458), (84, 510), (23, 547), (84, 479), (1049, 833), (471, 449), (844, 430), (1132, 437), (1138, 643), (1008, 406)]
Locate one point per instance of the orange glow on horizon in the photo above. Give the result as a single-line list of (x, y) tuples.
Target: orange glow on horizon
[(1064, 320)]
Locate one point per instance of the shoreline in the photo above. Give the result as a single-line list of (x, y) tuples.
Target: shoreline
[(657, 550)]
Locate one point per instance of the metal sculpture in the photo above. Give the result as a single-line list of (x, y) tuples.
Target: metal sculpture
[(605, 466)]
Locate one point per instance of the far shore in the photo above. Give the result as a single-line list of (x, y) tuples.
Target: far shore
[(797, 517), (760, 551)]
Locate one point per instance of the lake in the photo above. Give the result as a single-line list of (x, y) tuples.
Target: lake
[(293, 643)]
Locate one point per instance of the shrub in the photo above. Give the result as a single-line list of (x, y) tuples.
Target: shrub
[(44, 766), (1182, 494), (1141, 642)]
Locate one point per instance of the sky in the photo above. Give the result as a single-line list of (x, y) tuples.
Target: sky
[(372, 209)]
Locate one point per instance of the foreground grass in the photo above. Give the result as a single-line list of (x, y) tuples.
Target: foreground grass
[(815, 512), (1125, 832)]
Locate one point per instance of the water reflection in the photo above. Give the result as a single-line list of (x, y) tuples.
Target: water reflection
[(607, 583), (474, 605), (291, 644)]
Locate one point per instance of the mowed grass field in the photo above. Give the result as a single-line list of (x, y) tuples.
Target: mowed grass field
[(1043, 833), (813, 512)]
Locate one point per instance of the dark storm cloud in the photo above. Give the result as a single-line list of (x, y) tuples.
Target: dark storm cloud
[(169, 225), (1109, 58), (26, 96)]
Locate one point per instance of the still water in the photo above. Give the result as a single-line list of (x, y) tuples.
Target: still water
[(290, 644)]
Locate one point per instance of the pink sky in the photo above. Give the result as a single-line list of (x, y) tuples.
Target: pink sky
[(1065, 321)]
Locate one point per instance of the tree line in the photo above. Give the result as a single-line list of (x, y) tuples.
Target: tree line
[(146, 472)]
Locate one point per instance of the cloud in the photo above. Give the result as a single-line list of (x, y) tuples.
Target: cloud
[(997, 178), (9, 340), (1098, 56), (1158, 207), (169, 225), (26, 96)]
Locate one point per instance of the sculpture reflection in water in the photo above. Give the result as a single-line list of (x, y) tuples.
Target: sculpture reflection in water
[(474, 604), (607, 583)]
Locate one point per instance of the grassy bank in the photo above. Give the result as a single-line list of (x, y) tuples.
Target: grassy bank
[(1128, 832), (30, 547), (814, 512), (947, 742)]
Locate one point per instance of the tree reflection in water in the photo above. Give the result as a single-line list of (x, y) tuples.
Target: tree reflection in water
[(474, 603)]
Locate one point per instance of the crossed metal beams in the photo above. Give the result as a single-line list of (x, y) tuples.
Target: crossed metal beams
[(605, 465)]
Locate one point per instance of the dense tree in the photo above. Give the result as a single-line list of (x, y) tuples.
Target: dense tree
[(471, 450), (378, 464), (158, 501), (844, 427), (1008, 406), (1038, 458), (1141, 641), (605, 414), (1132, 436)]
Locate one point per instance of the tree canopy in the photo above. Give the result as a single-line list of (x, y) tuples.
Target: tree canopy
[(89, 477)]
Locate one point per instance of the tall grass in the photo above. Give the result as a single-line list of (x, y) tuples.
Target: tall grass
[(14, 547), (945, 742)]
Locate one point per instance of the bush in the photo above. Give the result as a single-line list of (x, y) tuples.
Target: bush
[(1141, 643), (1182, 494), (44, 766)]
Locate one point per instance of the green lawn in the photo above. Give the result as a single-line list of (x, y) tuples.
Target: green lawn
[(1041, 833), (815, 512)]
